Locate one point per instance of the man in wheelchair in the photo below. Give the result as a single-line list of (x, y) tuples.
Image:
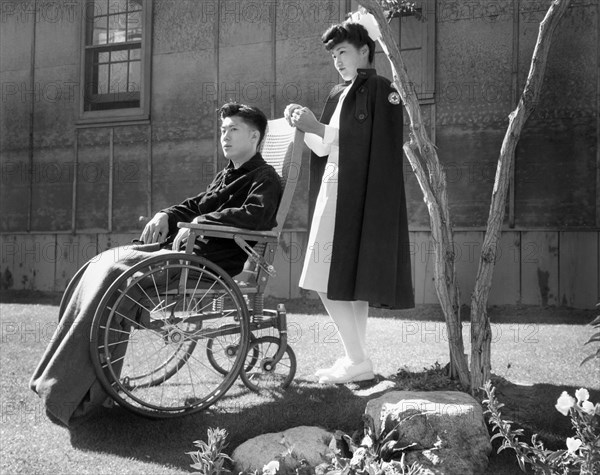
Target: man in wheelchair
[(245, 194)]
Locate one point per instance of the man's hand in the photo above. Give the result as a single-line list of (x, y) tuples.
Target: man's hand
[(289, 110), (156, 230), (181, 238)]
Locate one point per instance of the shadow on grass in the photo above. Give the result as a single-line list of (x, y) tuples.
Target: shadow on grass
[(246, 415), (497, 314), (30, 297), (433, 312), (531, 407)]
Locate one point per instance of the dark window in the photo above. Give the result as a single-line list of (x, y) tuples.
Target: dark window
[(116, 59), (417, 46)]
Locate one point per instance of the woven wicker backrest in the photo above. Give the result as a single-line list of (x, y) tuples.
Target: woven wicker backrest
[(282, 149)]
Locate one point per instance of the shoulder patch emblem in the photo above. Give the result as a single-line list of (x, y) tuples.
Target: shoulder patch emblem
[(394, 98)]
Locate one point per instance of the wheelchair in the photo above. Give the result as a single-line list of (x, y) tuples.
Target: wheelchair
[(173, 332)]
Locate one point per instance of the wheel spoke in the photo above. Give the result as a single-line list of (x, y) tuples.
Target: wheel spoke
[(153, 342)]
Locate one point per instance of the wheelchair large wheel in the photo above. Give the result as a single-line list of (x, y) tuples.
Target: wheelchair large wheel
[(262, 372), (149, 336)]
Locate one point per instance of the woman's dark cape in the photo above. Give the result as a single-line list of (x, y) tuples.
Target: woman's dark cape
[(370, 258)]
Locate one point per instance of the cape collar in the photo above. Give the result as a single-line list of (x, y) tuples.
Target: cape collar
[(362, 74), (361, 77), (332, 99)]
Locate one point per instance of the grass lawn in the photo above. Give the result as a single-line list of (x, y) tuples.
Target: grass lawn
[(540, 349)]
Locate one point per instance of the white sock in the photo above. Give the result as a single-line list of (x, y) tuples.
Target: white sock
[(361, 314), (351, 331)]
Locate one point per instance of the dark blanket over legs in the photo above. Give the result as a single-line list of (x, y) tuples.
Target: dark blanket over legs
[(65, 377)]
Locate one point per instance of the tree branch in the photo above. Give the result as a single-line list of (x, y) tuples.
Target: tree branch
[(424, 161), (480, 326)]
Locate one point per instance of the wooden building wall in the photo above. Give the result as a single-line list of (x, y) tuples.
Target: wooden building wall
[(71, 189), (557, 268)]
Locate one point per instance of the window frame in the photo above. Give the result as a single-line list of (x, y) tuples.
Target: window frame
[(428, 31), (130, 114)]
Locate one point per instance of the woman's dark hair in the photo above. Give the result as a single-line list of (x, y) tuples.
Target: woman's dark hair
[(353, 33), (252, 116)]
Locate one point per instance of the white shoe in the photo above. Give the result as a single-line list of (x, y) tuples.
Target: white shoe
[(341, 362), (350, 373)]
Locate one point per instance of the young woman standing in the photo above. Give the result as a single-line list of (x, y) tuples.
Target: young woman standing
[(358, 248)]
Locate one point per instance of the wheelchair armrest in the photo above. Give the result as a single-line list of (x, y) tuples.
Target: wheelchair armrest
[(214, 230)]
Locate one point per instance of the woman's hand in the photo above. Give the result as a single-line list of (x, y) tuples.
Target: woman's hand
[(304, 119), (289, 110)]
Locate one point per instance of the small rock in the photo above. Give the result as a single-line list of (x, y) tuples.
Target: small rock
[(296, 448)]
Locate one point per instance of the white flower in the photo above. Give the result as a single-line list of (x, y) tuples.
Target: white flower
[(271, 468), (588, 408), (366, 19), (564, 403), (582, 394), (359, 455), (573, 444)]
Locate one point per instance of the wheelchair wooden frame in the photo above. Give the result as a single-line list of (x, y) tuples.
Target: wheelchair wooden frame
[(261, 257)]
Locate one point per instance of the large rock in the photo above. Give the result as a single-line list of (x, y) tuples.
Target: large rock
[(447, 426), (291, 448)]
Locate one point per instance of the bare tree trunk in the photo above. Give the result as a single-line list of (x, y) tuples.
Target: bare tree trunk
[(480, 324), (424, 161)]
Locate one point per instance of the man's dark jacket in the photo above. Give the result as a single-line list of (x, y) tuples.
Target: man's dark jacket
[(245, 197), (370, 256)]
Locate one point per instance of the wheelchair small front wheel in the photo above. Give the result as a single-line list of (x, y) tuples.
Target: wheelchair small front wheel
[(222, 351), (261, 371)]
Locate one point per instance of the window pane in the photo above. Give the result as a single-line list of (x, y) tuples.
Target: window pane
[(117, 6), (116, 56), (118, 78), (103, 57), (102, 82), (116, 28), (134, 53), (134, 26), (411, 31), (99, 36), (414, 63), (134, 5), (100, 7), (134, 77)]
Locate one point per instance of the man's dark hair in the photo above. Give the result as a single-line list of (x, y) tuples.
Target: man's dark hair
[(252, 116), (353, 33)]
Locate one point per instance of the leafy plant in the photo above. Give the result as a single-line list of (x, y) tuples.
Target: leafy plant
[(373, 455), (400, 8), (583, 451), (209, 459), (594, 338)]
